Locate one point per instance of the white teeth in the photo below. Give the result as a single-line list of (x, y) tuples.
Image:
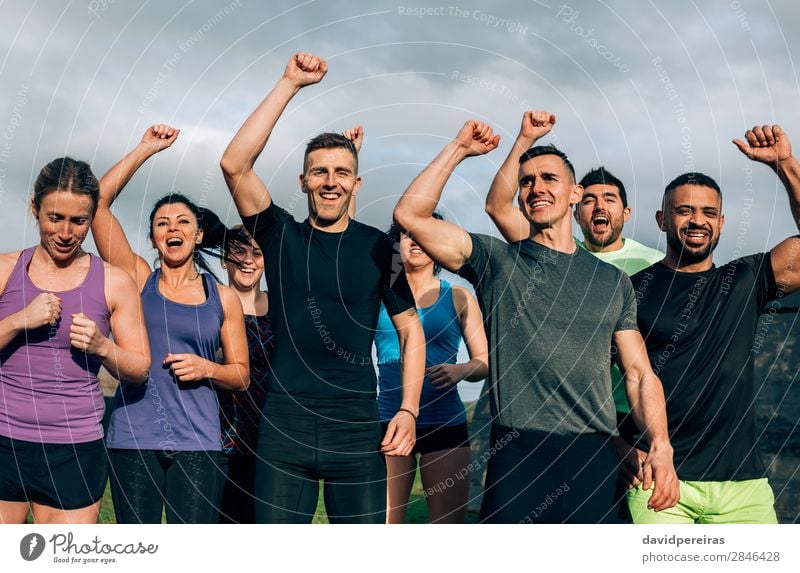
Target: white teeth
[(330, 195)]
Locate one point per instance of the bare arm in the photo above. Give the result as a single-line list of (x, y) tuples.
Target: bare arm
[(356, 135), (500, 206), (444, 376), (446, 243), (770, 145), (648, 407), (127, 356), (249, 192), (112, 244), (401, 433), (234, 372)]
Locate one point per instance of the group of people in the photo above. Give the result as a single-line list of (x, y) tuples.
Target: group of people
[(621, 379)]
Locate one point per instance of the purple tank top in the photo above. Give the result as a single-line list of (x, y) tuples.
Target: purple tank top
[(50, 392), (166, 414)]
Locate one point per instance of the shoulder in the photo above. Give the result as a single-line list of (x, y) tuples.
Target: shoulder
[(461, 297), (229, 299), (648, 253), (119, 284), (7, 262)]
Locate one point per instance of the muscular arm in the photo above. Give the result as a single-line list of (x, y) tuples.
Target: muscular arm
[(770, 145), (446, 243), (234, 372), (500, 206), (127, 356), (401, 433), (648, 407), (249, 192), (109, 237)]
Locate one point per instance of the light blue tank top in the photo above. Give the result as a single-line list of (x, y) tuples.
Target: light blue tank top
[(442, 338), (165, 414)]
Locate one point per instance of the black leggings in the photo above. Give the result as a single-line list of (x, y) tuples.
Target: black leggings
[(236, 481), (336, 442), (143, 482)]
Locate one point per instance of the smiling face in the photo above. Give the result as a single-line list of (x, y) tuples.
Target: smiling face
[(692, 220), (546, 190), (175, 233), (245, 266), (601, 217), (414, 258), (64, 220), (330, 180)]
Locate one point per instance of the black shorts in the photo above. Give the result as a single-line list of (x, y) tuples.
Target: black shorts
[(65, 476), (438, 438)]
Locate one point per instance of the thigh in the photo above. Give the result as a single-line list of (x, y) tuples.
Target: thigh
[(400, 474), (52, 515), (445, 477), (137, 486), (685, 512), (745, 501), (237, 477), (591, 469), (191, 487), (13, 512), (359, 497), (284, 492)]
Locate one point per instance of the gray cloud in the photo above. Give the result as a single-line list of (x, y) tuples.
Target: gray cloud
[(88, 78)]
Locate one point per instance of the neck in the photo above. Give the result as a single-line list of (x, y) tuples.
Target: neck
[(420, 279), (335, 227), (252, 298), (673, 261), (609, 248), (180, 275), (557, 237)]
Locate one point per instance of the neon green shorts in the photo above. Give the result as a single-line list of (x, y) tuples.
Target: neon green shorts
[(746, 501)]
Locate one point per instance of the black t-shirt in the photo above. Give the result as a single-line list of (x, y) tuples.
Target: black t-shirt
[(699, 330), (325, 292)]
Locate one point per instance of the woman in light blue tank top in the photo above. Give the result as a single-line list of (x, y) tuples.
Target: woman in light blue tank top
[(448, 314), (164, 437)]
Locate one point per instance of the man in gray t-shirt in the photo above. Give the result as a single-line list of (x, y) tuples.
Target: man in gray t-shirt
[(552, 313)]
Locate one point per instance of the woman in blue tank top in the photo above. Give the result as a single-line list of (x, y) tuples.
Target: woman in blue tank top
[(164, 437), (448, 315)]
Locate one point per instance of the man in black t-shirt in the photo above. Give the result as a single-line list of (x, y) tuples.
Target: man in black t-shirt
[(699, 322), (327, 277)]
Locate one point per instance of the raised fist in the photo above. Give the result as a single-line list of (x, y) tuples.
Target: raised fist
[(477, 138), (305, 69)]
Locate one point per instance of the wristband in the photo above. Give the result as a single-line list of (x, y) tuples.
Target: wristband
[(409, 412)]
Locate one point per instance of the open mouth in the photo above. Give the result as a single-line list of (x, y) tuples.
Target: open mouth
[(696, 236), (63, 247), (600, 223), (415, 251), (540, 204), (174, 242), (329, 196), (246, 270)]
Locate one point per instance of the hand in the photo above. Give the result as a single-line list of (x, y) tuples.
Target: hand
[(658, 467), (356, 135), (305, 69), (768, 144), (159, 137), (477, 138), (188, 367), (631, 459), (444, 376), (401, 435), (536, 124), (84, 335), (44, 309)]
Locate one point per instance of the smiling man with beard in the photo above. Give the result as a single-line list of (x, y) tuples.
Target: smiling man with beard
[(327, 277), (699, 321)]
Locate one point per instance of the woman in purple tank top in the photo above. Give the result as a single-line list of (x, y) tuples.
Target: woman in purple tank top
[(164, 438), (57, 307)]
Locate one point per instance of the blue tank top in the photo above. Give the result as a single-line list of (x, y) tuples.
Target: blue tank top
[(165, 414), (442, 338)]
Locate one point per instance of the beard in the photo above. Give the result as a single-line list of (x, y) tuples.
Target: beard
[(599, 241), (691, 255)]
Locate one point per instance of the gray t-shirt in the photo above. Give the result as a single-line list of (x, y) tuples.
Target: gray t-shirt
[(549, 317)]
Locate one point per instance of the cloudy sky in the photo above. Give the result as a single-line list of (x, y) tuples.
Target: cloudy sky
[(649, 89)]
